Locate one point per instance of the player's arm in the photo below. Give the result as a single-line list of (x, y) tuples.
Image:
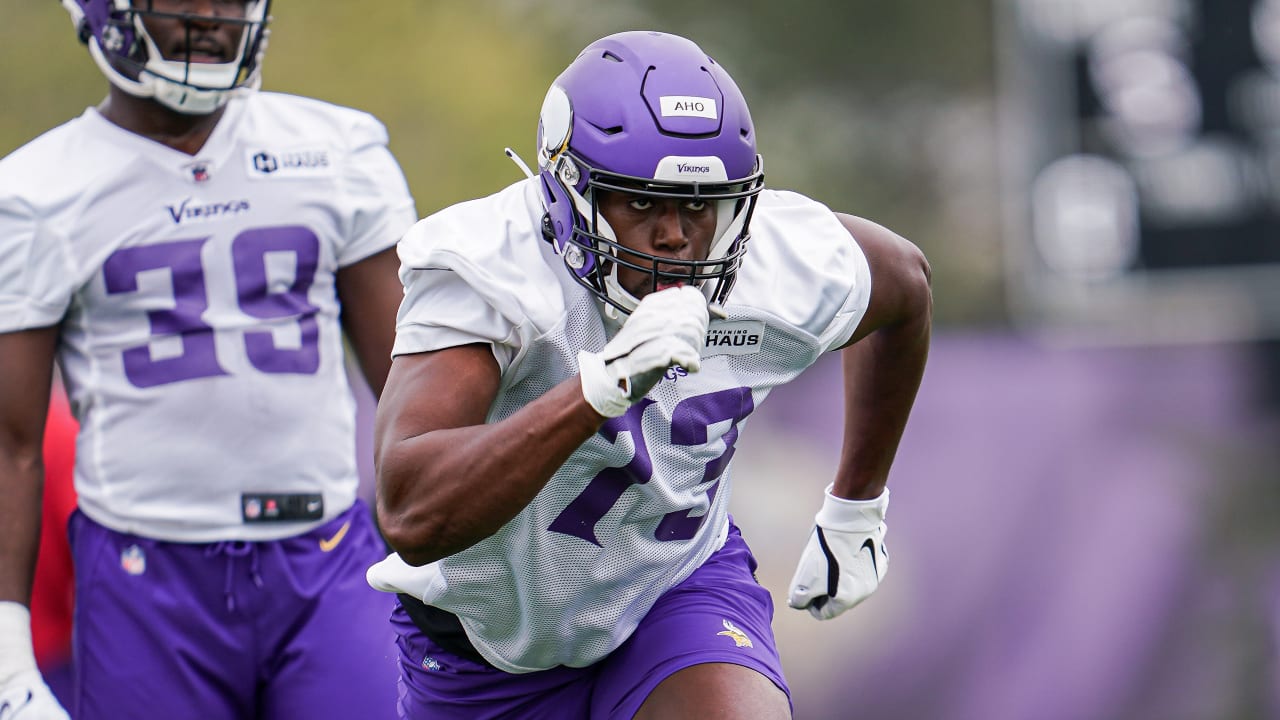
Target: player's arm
[(884, 360), (845, 558), (447, 480), (370, 292), (26, 379)]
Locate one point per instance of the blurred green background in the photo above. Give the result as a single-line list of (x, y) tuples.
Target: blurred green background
[(881, 110)]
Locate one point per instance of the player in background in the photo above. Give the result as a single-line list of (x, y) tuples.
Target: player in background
[(575, 358), (192, 250)]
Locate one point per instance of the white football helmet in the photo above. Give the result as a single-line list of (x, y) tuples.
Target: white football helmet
[(126, 53)]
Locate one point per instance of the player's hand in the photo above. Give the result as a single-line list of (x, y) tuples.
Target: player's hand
[(23, 694), (394, 575), (26, 697), (667, 328), (845, 559)]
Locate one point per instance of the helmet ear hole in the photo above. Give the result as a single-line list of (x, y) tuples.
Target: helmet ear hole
[(561, 223)]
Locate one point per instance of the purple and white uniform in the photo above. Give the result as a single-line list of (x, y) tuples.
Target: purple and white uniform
[(200, 342), (642, 505)]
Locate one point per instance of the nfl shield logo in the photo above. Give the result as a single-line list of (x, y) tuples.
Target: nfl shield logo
[(199, 170), (133, 560)]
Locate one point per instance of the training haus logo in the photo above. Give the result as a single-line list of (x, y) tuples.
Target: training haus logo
[(297, 162), (741, 337), (188, 212)]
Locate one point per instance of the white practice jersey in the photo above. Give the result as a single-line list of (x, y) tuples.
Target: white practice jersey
[(200, 341), (643, 503)]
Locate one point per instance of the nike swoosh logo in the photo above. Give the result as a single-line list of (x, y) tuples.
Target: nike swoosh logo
[(6, 707), (328, 544), (870, 546)]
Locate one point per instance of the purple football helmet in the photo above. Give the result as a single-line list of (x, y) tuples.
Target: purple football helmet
[(651, 114), (126, 53)]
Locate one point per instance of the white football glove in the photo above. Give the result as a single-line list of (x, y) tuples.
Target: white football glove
[(26, 697), (23, 693), (667, 328), (845, 559), (393, 575)]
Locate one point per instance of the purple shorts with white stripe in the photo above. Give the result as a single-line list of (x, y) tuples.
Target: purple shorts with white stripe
[(720, 614), (232, 630)]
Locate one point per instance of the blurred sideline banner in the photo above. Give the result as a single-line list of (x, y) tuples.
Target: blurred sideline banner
[(1075, 534), (1140, 145)]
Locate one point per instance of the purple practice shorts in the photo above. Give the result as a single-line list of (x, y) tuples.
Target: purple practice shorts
[(687, 626), (273, 630)]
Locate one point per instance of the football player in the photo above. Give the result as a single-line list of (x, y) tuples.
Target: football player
[(575, 359), (191, 251)]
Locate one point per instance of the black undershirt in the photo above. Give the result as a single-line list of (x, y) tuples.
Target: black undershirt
[(442, 626)]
